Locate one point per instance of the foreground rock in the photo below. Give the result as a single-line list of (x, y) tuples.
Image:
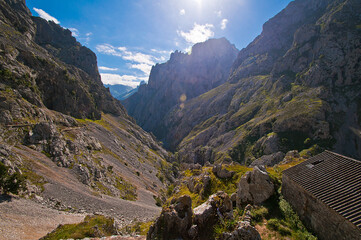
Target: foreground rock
[(269, 160), (244, 230), (254, 187), (174, 221), (178, 221)]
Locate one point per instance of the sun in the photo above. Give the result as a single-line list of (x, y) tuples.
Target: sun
[(199, 2)]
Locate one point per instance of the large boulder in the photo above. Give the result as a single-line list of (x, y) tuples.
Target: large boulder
[(216, 209), (254, 187), (221, 172), (174, 222), (178, 221), (269, 160)]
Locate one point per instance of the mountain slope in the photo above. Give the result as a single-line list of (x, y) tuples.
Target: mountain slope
[(182, 77), (118, 90), (61, 128), (297, 84)]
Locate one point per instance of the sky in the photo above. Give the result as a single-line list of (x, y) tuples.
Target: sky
[(130, 36)]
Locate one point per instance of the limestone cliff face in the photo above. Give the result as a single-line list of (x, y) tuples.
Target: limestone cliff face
[(180, 79), (299, 80), (47, 58)]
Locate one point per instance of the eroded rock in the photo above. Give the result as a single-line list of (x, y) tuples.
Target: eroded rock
[(254, 187)]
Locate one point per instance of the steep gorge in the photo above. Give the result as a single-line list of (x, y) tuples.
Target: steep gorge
[(296, 85), (180, 79)]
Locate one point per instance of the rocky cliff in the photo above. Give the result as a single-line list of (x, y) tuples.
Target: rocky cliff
[(180, 79), (297, 85), (63, 131)]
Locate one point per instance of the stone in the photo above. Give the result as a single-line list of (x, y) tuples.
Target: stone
[(174, 222), (244, 231), (254, 187), (268, 160), (217, 208), (221, 172)]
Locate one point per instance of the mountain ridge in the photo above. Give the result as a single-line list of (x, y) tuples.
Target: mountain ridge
[(182, 77), (294, 87)]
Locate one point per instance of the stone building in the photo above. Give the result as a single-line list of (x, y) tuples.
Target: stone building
[(325, 191)]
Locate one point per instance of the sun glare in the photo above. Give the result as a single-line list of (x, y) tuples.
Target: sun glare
[(199, 2)]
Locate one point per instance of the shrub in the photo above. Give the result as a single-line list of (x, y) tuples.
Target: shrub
[(273, 224), (259, 213), (11, 183), (93, 226)]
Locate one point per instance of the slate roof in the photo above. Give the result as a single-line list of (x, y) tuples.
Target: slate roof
[(335, 180)]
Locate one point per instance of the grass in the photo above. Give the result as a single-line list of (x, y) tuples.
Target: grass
[(227, 185), (92, 226), (127, 190), (102, 122), (139, 228)]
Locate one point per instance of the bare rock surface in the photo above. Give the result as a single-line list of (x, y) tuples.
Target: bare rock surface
[(269, 160), (244, 230), (254, 187)]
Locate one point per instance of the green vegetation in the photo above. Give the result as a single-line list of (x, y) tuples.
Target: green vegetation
[(127, 190), (92, 226), (139, 228), (11, 183), (216, 184)]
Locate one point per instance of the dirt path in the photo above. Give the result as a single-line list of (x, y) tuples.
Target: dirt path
[(25, 219)]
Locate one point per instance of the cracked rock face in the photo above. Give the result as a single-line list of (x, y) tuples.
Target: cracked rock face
[(254, 187), (174, 222)]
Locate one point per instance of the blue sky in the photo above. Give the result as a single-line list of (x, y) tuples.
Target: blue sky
[(129, 36)]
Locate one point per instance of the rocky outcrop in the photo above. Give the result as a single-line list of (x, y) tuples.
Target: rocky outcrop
[(269, 160), (255, 187), (221, 172), (175, 82), (216, 209), (47, 66), (174, 222), (178, 221), (244, 230)]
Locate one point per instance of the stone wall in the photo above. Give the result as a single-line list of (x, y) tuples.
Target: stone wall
[(325, 222)]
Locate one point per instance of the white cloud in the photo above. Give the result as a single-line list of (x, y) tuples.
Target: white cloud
[(45, 15), (142, 67), (124, 53), (88, 34), (224, 23), (108, 69), (129, 80), (199, 33), (182, 12), (74, 32), (138, 57), (219, 13), (108, 49)]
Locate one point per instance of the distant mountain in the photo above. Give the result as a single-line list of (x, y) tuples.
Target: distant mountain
[(296, 85), (118, 90), (182, 78)]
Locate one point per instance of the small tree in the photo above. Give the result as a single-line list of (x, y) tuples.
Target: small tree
[(11, 183)]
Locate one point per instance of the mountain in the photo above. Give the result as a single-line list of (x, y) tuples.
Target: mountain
[(62, 130), (296, 86), (181, 78), (118, 90)]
